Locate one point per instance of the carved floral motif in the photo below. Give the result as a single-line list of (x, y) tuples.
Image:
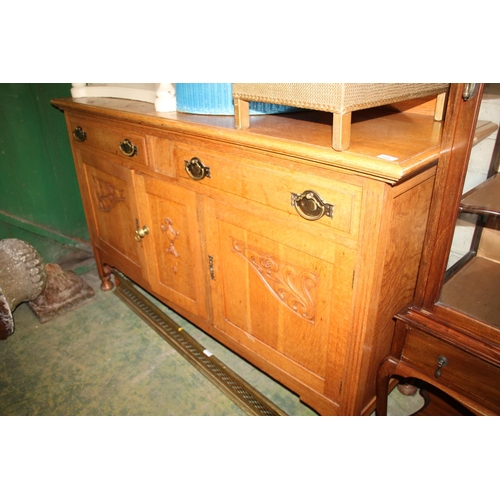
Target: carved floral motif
[(107, 194), (172, 235), (290, 285)]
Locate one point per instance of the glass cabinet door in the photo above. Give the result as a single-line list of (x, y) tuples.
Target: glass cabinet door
[(472, 281)]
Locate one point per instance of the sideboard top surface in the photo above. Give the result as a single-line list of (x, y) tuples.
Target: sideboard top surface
[(386, 145)]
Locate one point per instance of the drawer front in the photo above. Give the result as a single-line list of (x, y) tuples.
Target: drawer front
[(462, 372), (304, 197), (120, 142)]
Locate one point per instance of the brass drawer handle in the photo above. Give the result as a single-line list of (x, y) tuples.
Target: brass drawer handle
[(127, 148), (441, 361), (140, 233), (196, 170), (79, 134), (310, 206)]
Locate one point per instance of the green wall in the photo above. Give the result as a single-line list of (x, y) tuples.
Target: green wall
[(39, 197)]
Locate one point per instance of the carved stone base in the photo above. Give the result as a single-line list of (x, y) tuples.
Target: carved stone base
[(64, 292)]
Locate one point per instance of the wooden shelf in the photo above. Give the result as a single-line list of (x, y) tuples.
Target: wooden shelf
[(483, 129), (474, 290), (484, 199)]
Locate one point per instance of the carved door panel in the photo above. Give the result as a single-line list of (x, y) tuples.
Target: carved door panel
[(111, 208), (172, 245), (283, 293)]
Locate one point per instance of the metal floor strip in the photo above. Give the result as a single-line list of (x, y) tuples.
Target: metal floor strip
[(238, 390)]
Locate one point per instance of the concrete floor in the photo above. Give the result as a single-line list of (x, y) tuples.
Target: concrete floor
[(101, 359)]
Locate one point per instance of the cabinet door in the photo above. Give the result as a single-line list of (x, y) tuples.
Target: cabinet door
[(111, 211), (474, 258), (172, 247), (283, 293)]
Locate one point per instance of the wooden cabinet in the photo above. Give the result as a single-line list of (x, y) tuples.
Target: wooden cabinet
[(282, 297), (449, 335), (111, 211), (172, 251), (292, 254)]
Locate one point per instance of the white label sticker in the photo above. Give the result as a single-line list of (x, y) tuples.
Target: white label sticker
[(207, 353), (387, 157)]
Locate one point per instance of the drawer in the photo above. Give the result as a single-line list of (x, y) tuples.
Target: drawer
[(120, 142), (326, 202), (464, 372)]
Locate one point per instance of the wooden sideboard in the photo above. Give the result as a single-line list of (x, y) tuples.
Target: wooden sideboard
[(288, 252)]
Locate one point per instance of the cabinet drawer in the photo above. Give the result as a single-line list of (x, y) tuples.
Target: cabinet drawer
[(120, 142), (329, 203), (463, 371)]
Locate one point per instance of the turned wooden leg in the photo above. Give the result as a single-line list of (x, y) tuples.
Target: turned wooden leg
[(406, 388), (106, 283), (241, 114), (341, 135), (385, 373)]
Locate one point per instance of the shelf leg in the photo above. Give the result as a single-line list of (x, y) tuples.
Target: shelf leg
[(241, 114), (341, 135), (439, 109)]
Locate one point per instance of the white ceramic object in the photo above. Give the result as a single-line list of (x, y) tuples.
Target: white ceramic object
[(162, 95)]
